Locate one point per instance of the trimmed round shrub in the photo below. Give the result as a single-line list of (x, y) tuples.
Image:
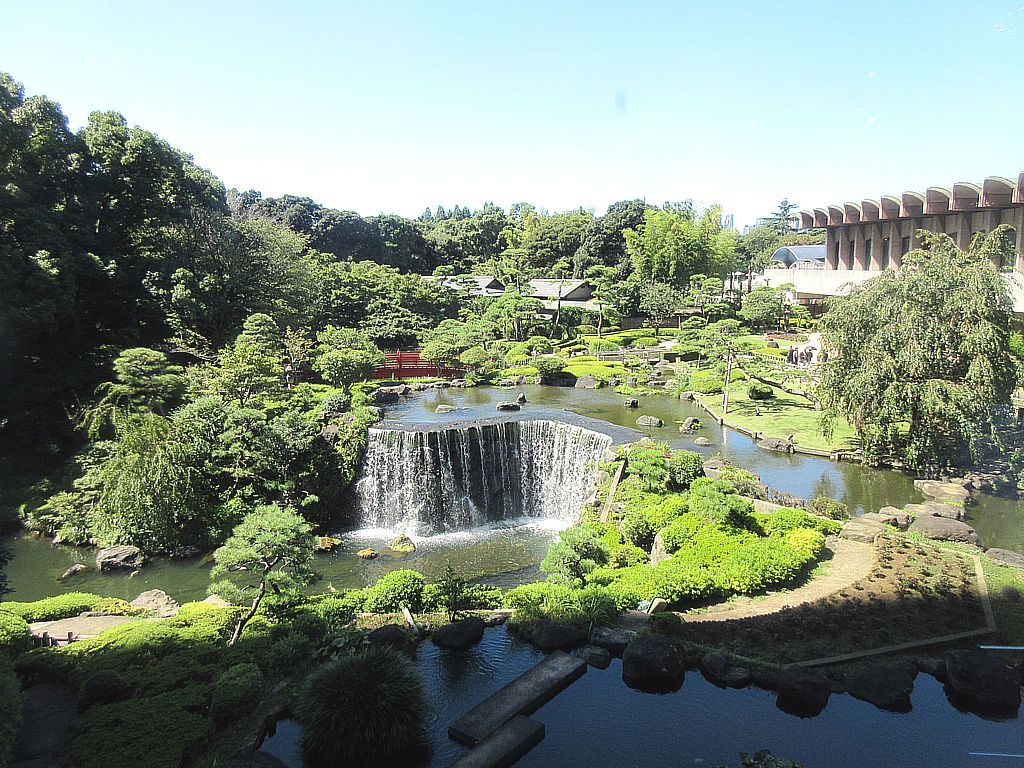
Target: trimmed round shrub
[(395, 589), (335, 403), (104, 686), (601, 345), (644, 341), (586, 330), (549, 366), (365, 709), (683, 468), (828, 507), (707, 383), (626, 555), (758, 391), (236, 691), (14, 635)]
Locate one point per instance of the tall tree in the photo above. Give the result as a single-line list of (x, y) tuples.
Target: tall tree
[(919, 357), (659, 302)]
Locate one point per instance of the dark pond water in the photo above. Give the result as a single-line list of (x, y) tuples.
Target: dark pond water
[(599, 721), (510, 554)]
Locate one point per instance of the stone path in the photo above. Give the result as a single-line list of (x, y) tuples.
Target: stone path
[(851, 561), (43, 740), (82, 626)]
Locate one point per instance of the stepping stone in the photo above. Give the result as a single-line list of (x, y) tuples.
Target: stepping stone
[(859, 529), (505, 746), (524, 695)]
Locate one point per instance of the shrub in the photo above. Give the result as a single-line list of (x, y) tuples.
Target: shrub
[(647, 514), (104, 686), (601, 345), (644, 341), (683, 468), (583, 607), (576, 553), (707, 383), (236, 691), (527, 597), (160, 731), (626, 555), (828, 507), (586, 330), (395, 589), (782, 521), (335, 403), (452, 589), (10, 711), (332, 612), (649, 462), (758, 391), (806, 541), (68, 605), (364, 709), (14, 634), (549, 366), (664, 623)]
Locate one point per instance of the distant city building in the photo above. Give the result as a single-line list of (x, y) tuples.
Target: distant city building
[(863, 239), (728, 221)]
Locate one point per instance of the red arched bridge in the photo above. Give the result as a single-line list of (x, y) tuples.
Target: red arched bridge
[(408, 365)]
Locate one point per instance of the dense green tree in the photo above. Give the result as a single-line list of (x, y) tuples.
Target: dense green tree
[(764, 306), (273, 546), (659, 302), (345, 355), (920, 357), (673, 244), (577, 552)]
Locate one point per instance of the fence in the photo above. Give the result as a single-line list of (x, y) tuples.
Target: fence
[(407, 365)]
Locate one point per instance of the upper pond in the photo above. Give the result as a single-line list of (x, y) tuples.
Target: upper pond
[(508, 552)]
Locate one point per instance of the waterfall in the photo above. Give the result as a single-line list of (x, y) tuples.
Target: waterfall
[(455, 479)]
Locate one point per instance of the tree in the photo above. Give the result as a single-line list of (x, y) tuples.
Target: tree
[(920, 357), (782, 220), (275, 546), (673, 244), (297, 349), (5, 558), (246, 373), (764, 306), (602, 279), (577, 552), (144, 381), (345, 355), (659, 302)]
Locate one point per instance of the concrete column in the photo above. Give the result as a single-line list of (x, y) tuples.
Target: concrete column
[(875, 232), (1020, 239)]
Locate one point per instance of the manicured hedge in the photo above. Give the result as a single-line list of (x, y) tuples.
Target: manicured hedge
[(68, 605), (14, 635)]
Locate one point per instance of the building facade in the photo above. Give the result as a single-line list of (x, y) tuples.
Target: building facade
[(864, 238)]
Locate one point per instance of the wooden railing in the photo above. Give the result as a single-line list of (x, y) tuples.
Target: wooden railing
[(408, 365)]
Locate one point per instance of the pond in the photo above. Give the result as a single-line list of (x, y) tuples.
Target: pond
[(505, 553), (599, 721)]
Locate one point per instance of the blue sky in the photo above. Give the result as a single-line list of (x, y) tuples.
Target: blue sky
[(399, 105)]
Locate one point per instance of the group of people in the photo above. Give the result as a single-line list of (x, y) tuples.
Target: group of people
[(805, 356)]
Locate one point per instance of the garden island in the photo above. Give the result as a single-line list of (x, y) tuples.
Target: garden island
[(284, 485)]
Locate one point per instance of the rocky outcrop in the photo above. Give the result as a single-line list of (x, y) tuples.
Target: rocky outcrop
[(587, 382), (460, 383), (981, 682), (507, 405), (713, 468), (507, 383), (612, 639), (122, 557), (690, 424), (521, 398), (719, 671), (658, 551), (444, 409), (158, 603), (936, 509), (552, 635), (1006, 556), (859, 529), (649, 421), (654, 663), (949, 492), (402, 543), (74, 570), (596, 656), (802, 691), (944, 529), (775, 444), (890, 516), (459, 634), (887, 686), (367, 553), (703, 442)]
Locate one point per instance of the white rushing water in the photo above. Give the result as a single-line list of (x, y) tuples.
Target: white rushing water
[(456, 479)]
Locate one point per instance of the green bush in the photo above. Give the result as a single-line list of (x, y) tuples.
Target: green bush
[(683, 468), (549, 366), (395, 589), (14, 634), (758, 391), (576, 553), (828, 507), (161, 731), (664, 623), (68, 605), (647, 514), (586, 330), (527, 597), (644, 341), (10, 712), (601, 345), (707, 382), (364, 709), (105, 686), (557, 602), (236, 691), (648, 460), (626, 555), (787, 519)]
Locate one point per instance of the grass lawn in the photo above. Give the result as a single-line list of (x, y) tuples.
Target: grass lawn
[(781, 416), (583, 366)]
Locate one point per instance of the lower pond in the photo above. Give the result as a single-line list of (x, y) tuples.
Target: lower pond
[(599, 721), (508, 553)]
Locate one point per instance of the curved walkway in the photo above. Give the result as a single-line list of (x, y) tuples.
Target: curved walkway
[(851, 561)]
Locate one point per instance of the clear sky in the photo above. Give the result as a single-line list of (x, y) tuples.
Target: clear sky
[(394, 106)]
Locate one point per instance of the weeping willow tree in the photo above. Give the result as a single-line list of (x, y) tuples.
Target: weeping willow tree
[(920, 358), (151, 495)]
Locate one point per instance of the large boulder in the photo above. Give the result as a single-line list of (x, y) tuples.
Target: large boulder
[(713, 468), (74, 570), (703, 442), (587, 382), (612, 639), (887, 685), (392, 636), (386, 395), (935, 509), (944, 529), (802, 691), (521, 398), (632, 402), (507, 405), (1006, 556), (596, 656), (444, 408), (460, 634), (775, 444), (649, 421), (859, 529), (654, 663), (507, 383), (157, 602), (552, 635), (121, 557), (460, 383), (952, 493), (658, 551), (979, 681), (690, 424), (402, 543)]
